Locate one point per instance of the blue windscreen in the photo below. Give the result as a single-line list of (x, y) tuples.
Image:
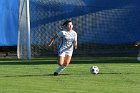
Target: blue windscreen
[(9, 22), (103, 26), (96, 21)]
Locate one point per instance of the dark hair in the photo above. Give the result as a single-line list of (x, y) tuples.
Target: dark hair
[(66, 22)]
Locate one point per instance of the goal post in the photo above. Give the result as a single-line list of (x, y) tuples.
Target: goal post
[(23, 45)]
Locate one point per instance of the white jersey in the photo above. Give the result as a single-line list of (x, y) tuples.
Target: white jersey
[(66, 41)]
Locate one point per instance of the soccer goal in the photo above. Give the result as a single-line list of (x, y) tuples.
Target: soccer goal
[(105, 28)]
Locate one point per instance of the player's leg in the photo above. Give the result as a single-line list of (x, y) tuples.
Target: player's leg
[(61, 67), (63, 62), (60, 60), (67, 60)]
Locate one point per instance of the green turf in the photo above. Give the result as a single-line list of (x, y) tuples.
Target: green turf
[(117, 75)]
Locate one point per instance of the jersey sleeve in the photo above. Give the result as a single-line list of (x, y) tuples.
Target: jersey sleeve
[(60, 34)]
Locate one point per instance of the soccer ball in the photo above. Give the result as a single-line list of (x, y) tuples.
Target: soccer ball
[(94, 70)]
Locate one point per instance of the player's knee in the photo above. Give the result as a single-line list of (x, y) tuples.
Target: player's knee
[(65, 64)]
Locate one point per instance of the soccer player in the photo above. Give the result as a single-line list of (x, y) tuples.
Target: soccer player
[(138, 57), (68, 42)]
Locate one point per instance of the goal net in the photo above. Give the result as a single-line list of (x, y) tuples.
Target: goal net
[(104, 28)]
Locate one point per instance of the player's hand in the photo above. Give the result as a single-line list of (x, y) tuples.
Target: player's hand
[(50, 43), (75, 44), (136, 44), (75, 47)]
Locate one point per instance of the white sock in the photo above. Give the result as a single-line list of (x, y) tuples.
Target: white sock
[(60, 69)]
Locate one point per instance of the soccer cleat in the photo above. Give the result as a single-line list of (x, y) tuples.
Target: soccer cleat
[(55, 74)]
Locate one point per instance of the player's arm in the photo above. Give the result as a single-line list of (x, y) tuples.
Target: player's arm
[(75, 44), (52, 40)]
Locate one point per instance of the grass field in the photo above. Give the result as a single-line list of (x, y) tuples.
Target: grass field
[(117, 75)]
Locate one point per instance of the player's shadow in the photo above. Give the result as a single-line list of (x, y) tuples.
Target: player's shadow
[(24, 76), (52, 75), (43, 75), (59, 74)]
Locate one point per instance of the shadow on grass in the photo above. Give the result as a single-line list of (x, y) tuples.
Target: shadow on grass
[(51, 75), (75, 61), (44, 75)]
